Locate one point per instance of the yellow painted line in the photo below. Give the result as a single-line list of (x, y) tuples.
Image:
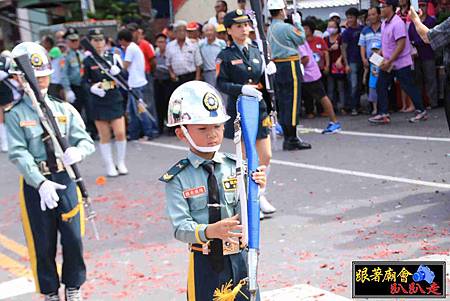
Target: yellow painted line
[(13, 246), (14, 267)]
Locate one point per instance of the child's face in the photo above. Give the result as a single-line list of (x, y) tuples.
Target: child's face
[(203, 134)]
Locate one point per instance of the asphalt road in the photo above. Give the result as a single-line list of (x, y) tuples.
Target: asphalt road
[(349, 198)]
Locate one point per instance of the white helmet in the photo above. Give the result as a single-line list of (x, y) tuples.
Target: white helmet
[(275, 4), (5, 53), (37, 55), (196, 102)]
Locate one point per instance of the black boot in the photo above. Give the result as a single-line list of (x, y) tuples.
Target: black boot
[(294, 143)]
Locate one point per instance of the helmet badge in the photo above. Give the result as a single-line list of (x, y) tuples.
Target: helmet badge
[(211, 103), (36, 60)]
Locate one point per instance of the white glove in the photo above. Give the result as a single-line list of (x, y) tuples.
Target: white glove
[(296, 19), (3, 75), (271, 68), (114, 70), (49, 197), (70, 96), (71, 155), (251, 91), (87, 53), (95, 89)]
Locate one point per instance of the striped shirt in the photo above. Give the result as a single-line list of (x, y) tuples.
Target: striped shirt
[(368, 37)]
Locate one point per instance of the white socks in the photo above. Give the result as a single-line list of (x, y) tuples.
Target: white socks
[(121, 148), (106, 151), (3, 138)]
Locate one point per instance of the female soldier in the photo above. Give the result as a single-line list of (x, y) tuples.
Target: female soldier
[(241, 71), (107, 104)]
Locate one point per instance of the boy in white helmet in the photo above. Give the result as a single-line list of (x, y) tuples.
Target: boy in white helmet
[(201, 193), (48, 196)]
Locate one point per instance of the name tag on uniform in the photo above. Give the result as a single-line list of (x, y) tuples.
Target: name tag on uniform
[(28, 123), (230, 184), (230, 248), (237, 62), (194, 192), (95, 67)]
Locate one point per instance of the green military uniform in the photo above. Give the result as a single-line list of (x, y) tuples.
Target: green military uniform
[(284, 40), (71, 79), (188, 208), (28, 153)]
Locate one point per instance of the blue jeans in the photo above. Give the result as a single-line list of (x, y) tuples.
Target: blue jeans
[(139, 121), (149, 99), (354, 81), (406, 79)]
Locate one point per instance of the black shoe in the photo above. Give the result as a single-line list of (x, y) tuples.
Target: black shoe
[(73, 294), (295, 144)]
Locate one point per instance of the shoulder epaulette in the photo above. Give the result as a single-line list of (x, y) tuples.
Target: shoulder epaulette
[(230, 156), (174, 170), (11, 105), (53, 98)]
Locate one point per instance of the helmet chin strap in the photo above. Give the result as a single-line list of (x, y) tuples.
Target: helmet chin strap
[(203, 149)]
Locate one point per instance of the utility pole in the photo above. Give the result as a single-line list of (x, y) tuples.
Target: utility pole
[(87, 6)]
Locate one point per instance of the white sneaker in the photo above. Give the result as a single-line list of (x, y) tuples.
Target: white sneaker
[(266, 207), (52, 297), (73, 294), (261, 215)]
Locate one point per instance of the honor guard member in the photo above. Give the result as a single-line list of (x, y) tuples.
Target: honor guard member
[(201, 195), (284, 40), (107, 103), (72, 73), (49, 199), (241, 71)]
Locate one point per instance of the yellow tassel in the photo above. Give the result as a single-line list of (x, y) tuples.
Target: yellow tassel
[(225, 293)]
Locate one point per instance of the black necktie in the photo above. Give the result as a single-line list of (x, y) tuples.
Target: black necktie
[(78, 58), (245, 52), (214, 216)]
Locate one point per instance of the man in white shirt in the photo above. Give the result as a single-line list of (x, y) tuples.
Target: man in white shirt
[(210, 47), (183, 57), (134, 63)]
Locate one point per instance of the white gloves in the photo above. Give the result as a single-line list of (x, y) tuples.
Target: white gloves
[(70, 96), (49, 197), (3, 75), (95, 89), (71, 155), (296, 19), (114, 70), (251, 91), (271, 68)]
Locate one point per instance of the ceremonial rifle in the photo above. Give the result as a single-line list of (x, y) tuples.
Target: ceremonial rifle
[(261, 40), (60, 142), (248, 114)]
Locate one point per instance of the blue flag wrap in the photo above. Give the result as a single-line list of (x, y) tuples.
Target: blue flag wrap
[(248, 107)]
